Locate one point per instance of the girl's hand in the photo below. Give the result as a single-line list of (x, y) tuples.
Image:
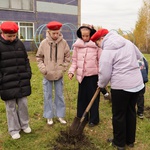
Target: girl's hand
[(70, 75)]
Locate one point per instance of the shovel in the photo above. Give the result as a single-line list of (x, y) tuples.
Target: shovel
[(78, 124)]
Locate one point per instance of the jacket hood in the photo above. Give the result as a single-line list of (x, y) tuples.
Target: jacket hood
[(80, 43), (50, 40), (113, 41), (92, 31)]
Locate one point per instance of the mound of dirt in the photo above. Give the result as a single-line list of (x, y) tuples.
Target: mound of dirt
[(68, 142)]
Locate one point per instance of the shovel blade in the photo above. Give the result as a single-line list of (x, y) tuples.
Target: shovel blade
[(77, 127)]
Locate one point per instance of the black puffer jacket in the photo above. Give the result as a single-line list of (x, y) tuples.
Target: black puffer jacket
[(15, 70)]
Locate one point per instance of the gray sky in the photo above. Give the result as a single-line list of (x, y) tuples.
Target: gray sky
[(111, 14)]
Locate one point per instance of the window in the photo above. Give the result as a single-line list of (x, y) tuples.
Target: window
[(26, 31), (4, 4), (26, 5), (15, 4)]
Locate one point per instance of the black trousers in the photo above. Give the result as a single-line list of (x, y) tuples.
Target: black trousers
[(140, 102), (124, 116), (86, 91)]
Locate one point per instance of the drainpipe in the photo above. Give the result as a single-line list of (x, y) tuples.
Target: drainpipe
[(79, 13)]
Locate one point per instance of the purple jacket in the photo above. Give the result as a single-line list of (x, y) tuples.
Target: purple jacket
[(85, 59), (119, 63)]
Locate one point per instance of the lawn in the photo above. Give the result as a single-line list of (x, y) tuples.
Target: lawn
[(44, 137)]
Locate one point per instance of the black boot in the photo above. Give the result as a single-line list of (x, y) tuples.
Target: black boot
[(110, 140)]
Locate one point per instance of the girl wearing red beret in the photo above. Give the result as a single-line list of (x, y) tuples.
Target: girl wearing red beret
[(119, 65), (85, 60), (53, 58), (15, 75)]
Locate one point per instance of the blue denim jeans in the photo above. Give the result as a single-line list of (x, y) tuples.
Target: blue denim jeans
[(54, 104)]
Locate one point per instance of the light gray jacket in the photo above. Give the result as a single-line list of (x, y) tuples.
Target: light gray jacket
[(119, 63)]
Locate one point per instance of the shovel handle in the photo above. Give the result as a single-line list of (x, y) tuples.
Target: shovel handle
[(90, 104)]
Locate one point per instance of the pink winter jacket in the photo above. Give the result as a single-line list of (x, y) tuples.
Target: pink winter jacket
[(85, 59)]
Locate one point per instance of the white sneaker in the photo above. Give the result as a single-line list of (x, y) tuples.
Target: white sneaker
[(141, 116), (27, 130), (16, 136), (49, 121), (62, 121)]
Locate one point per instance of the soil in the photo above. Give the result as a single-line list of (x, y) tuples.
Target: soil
[(65, 141), (68, 142)]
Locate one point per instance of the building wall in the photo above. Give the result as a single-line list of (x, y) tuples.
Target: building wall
[(17, 15), (68, 2), (44, 11)]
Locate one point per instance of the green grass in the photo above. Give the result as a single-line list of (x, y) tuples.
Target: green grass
[(44, 137)]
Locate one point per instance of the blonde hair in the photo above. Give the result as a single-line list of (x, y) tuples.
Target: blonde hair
[(85, 29), (88, 25)]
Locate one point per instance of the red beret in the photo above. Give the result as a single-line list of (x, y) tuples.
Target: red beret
[(100, 33), (54, 25), (9, 27)]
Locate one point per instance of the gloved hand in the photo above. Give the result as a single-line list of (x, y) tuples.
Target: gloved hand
[(107, 96)]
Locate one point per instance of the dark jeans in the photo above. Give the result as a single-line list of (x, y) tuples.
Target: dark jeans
[(86, 91), (140, 102), (124, 116)]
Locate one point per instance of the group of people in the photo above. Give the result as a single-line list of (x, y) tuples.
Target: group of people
[(99, 57), (53, 58)]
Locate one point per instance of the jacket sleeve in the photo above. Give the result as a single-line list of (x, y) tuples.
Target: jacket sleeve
[(146, 65), (40, 60), (73, 66), (28, 67), (0, 80), (99, 54), (145, 70), (66, 56), (139, 55), (105, 69)]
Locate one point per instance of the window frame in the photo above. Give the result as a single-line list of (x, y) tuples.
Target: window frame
[(26, 31)]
